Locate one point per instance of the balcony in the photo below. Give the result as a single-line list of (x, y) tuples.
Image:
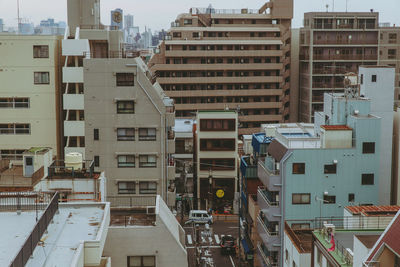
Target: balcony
[(58, 170), (74, 128), (72, 74), (346, 42), (269, 237), (271, 209), (268, 261), (75, 47), (73, 101), (269, 177), (346, 57), (247, 170)]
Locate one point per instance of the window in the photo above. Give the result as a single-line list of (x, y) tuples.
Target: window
[(286, 255), (11, 154), (329, 199), (298, 168), (96, 134), (40, 51), (126, 161), (147, 161), (301, 198), (125, 79), (351, 197), (300, 226), (96, 161), (147, 134), (329, 168), (126, 187), (362, 78), (14, 102), (392, 54), (368, 148), (373, 78), (217, 164), (367, 179), (41, 77), (125, 107), (187, 22), (217, 125), (141, 261), (147, 187), (195, 35), (217, 144), (15, 128), (177, 34), (125, 134)]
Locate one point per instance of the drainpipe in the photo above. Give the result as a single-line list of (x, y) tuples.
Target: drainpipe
[(282, 224)]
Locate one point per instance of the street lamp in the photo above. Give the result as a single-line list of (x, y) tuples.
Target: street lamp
[(321, 200)]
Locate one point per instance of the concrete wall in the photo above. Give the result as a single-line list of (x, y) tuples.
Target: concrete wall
[(294, 75), (301, 259), (360, 252), (17, 80)]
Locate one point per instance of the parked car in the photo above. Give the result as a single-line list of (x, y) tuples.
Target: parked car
[(200, 216), (228, 245)]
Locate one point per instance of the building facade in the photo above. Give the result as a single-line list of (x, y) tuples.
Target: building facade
[(309, 169), (212, 59), (216, 160), (28, 95)]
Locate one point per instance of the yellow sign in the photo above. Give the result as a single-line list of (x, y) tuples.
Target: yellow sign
[(220, 193)]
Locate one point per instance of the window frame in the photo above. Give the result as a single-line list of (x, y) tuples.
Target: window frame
[(147, 190), (40, 53), (126, 190), (365, 177), (15, 128), (129, 264), (12, 102), (301, 202), (124, 109), (147, 163), (126, 137), (328, 171), (218, 125), (96, 161), (126, 163), (374, 78), (40, 79), (124, 79), (329, 199), (217, 164), (96, 134), (148, 137), (303, 168), (217, 144), (366, 150)]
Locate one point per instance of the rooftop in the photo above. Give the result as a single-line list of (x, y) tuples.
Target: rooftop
[(336, 127), (183, 125), (372, 210)]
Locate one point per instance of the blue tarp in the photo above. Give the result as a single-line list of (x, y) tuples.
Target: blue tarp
[(245, 246)]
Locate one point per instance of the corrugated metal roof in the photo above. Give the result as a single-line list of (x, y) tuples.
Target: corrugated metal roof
[(371, 209)]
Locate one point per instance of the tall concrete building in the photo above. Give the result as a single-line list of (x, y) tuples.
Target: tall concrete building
[(216, 159), (114, 113), (335, 43), (238, 59), (28, 94)]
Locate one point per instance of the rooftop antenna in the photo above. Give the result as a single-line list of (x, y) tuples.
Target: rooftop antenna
[(19, 19), (333, 5), (346, 5)]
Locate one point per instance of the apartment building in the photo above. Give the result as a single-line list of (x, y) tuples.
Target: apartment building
[(309, 169), (240, 59), (28, 94), (216, 159), (114, 114), (335, 43)]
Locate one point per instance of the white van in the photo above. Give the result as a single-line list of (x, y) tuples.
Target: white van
[(200, 216)]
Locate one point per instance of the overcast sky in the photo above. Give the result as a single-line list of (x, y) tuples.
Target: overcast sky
[(158, 14)]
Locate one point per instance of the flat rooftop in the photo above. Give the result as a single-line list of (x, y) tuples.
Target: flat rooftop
[(74, 223), (183, 125)]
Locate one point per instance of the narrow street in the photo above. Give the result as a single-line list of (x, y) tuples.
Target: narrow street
[(219, 229)]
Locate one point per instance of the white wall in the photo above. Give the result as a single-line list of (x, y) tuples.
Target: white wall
[(381, 94), (301, 259), (360, 252)]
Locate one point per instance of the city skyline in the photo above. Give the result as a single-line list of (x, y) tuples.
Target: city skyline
[(165, 13)]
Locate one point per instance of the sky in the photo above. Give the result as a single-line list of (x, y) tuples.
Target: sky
[(158, 14)]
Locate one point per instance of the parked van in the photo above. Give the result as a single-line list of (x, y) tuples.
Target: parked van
[(200, 216)]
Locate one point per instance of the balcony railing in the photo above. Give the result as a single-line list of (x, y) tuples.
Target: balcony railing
[(267, 231), (268, 260), (346, 41), (99, 27), (269, 202), (59, 170), (132, 201), (345, 57)]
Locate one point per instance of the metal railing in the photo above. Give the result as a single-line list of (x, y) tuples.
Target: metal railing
[(59, 170), (13, 201), (270, 203), (132, 201), (99, 27), (33, 239), (303, 246), (267, 231), (224, 11)]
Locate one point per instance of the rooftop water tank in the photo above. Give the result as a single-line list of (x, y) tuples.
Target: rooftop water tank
[(74, 160)]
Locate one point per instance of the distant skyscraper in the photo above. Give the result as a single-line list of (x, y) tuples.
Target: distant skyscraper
[(117, 18), (1, 25), (128, 21)]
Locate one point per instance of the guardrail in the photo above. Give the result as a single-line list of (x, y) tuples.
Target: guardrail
[(31, 242), (131, 201)]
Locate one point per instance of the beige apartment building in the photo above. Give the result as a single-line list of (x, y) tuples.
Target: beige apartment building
[(114, 113), (335, 43), (216, 159), (28, 94), (214, 59)]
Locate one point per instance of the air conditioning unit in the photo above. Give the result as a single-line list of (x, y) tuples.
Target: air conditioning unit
[(328, 230)]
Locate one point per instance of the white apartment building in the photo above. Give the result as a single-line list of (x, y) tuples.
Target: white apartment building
[(28, 94)]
